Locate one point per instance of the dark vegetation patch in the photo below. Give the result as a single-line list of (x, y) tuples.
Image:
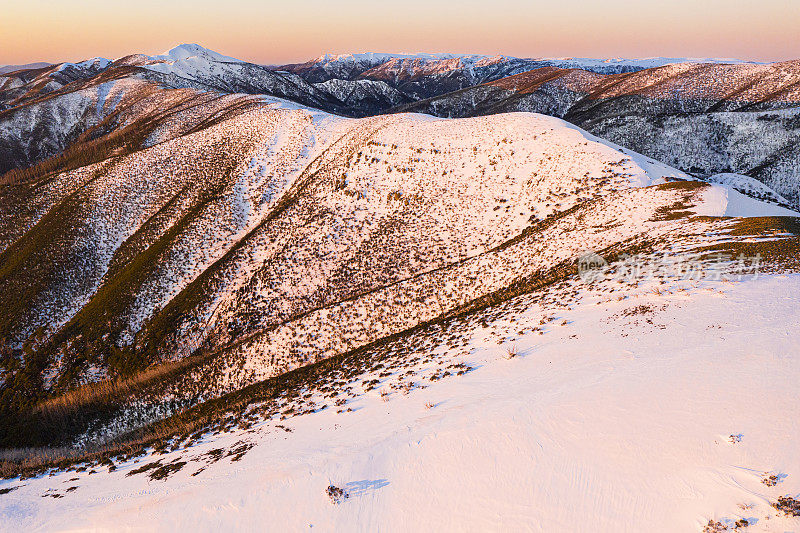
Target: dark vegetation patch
[(787, 505), (164, 471), (680, 208), (336, 494), (765, 226), (239, 450), (768, 254), (638, 310), (714, 526), (144, 468)]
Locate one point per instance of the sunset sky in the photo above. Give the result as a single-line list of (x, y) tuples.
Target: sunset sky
[(286, 31)]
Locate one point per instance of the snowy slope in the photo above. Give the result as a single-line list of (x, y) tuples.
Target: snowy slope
[(618, 414), (413, 173), (724, 200), (445, 194), (748, 186)]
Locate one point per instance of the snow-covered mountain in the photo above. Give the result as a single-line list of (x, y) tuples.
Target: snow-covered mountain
[(370, 64), (185, 52), (421, 76), (379, 210), (67, 101), (705, 119), (224, 308), (718, 101)]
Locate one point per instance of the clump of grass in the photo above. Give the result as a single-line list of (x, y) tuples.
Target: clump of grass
[(714, 526), (787, 505), (163, 472), (336, 494), (144, 468)]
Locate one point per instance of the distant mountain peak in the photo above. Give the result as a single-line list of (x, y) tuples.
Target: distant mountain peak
[(11, 68), (189, 50), (97, 63)]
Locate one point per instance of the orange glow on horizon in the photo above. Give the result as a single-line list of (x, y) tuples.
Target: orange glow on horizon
[(276, 32)]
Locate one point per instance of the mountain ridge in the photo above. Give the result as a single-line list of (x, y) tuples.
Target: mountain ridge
[(609, 105)]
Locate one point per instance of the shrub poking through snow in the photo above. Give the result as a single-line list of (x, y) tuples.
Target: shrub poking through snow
[(163, 472), (770, 480), (715, 527), (787, 505), (511, 352), (336, 494)]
